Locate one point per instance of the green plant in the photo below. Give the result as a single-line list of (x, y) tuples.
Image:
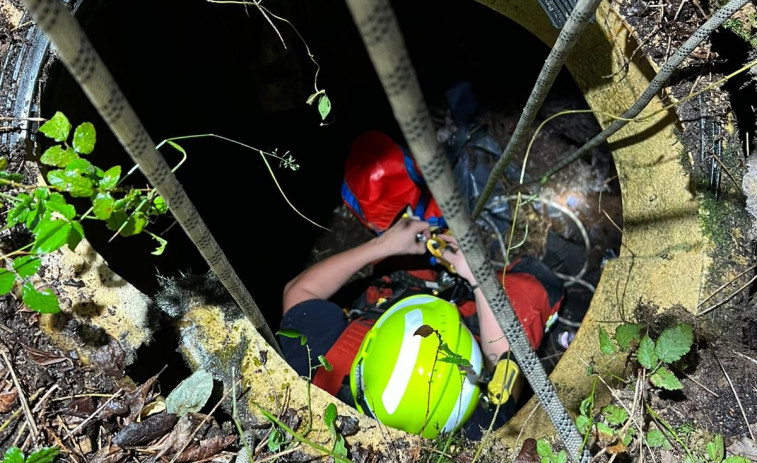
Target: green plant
[(654, 355), (43, 455), (55, 223), (276, 439), (544, 449)]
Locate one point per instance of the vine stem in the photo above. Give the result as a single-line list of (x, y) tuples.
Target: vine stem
[(574, 27), (655, 85), (270, 417)]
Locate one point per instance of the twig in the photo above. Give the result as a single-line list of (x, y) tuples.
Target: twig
[(728, 173), (700, 384), (745, 356), (280, 454), (720, 288), (76, 396), (752, 280), (205, 420), (90, 417), (22, 398), (528, 418), (738, 401), (31, 119)]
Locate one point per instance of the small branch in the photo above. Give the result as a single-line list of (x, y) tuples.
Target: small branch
[(746, 285), (721, 287), (22, 398), (90, 417), (699, 384), (745, 356), (738, 401)]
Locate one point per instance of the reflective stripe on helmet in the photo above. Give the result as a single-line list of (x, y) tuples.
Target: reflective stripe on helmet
[(468, 393), (403, 368)]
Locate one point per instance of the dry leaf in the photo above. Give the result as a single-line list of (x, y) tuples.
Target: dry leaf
[(41, 357), (146, 431), (206, 448), (528, 452), (423, 331), (7, 399)]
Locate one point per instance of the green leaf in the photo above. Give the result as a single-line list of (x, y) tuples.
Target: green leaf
[(562, 457), (110, 178), (715, 449), (605, 429), (626, 333), (46, 302), (72, 182), (43, 455), (3, 162), (292, 334), (161, 244), (329, 415), (615, 415), (544, 449), (583, 423), (21, 210), (11, 176), (655, 438), (325, 363), (628, 436), (160, 205), (85, 138), (103, 205), (275, 440), (646, 354), (13, 455), (56, 202), (339, 446), (7, 278), (26, 266), (674, 343), (665, 379), (134, 223), (75, 235), (324, 106), (57, 127), (605, 343), (735, 459), (58, 156), (82, 166), (191, 394), (50, 236), (586, 404)]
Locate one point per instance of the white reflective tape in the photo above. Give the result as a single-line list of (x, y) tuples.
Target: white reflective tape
[(412, 300), (403, 368), (468, 389)]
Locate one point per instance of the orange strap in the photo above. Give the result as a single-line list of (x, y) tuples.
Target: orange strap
[(341, 355)]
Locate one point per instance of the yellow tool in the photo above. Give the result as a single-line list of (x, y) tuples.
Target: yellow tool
[(435, 246), (501, 387)]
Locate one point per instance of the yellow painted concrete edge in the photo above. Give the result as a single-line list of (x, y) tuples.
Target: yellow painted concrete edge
[(219, 339), (663, 259), (95, 301)]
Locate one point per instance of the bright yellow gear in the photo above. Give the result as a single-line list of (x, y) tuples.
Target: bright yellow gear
[(403, 379)]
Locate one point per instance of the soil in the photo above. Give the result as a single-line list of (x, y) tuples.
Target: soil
[(82, 409)]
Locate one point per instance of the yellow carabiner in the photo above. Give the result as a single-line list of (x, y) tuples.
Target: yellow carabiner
[(435, 246)]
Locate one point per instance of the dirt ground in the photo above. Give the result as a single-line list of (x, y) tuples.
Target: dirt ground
[(48, 397)]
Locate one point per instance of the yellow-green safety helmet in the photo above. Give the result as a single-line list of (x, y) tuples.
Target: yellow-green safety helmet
[(391, 377)]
